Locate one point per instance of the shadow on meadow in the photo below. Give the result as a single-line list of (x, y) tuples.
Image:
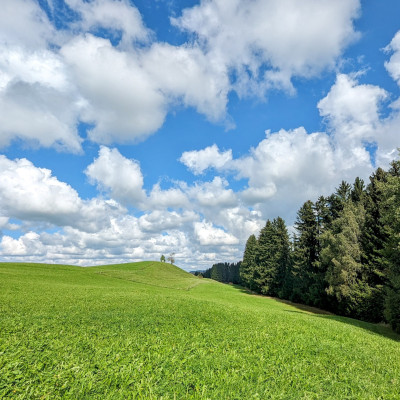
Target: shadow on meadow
[(377, 329)]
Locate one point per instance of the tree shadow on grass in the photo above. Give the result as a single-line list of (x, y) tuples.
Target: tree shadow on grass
[(377, 329)]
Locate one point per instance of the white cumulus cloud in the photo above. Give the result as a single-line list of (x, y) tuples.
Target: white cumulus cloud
[(121, 176), (24, 23), (210, 157), (214, 194), (168, 198), (291, 38), (34, 196), (207, 235), (393, 65), (185, 74), (123, 103), (38, 102), (352, 109), (31, 193), (118, 15)]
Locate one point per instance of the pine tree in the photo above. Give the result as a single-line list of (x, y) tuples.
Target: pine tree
[(266, 269), (341, 254), (305, 255), (217, 273), (248, 265), (374, 238), (358, 191), (337, 200), (235, 273), (283, 260)]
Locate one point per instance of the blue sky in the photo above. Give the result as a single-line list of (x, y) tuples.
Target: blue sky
[(131, 129)]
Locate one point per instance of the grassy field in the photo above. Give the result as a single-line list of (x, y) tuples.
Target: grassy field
[(151, 331)]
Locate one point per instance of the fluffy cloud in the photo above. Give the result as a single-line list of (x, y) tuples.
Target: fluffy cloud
[(24, 23), (352, 110), (187, 75), (205, 221), (123, 103), (210, 157), (169, 198), (213, 194), (285, 169), (39, 115), (38, 103), (33, 195), (122, 177), (292, 38), (353, 114), (208, 235), (34, 67), (128, 92), (118, 16), (28, 244), (393, 65), (124, 92), (160, 221), (284, 161)]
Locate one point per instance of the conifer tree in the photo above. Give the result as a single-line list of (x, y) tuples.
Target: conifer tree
[(337, 200), (266, 269), (248, 265), (358, 191), (341, 254), (374, 238), (283, 260), (305, 254)]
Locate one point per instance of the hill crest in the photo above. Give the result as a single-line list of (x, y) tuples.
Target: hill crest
[(152, 273)]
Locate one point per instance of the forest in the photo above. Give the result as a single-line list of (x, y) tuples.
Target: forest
[(344, 256)]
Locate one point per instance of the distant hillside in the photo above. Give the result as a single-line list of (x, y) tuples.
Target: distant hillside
[(151, 273)]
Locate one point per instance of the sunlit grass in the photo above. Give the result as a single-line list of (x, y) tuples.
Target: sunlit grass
[(150, 330)]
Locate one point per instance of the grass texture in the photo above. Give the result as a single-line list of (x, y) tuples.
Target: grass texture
[(152, 331)]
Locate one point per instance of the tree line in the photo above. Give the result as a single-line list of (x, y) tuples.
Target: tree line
[(224, 272), (344, 256)]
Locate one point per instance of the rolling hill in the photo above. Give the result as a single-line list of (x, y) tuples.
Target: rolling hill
[(150, 330)]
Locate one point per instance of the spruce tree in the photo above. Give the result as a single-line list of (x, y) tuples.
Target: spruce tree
[(266, 268), (283, 259), (248, 265), (305, 255), (217, 273), (341, 256), (374, 238), (337, 200), (358, 191)]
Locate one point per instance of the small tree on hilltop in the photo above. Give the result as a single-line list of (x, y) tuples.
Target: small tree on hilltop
[(162, 258), (171, 258)]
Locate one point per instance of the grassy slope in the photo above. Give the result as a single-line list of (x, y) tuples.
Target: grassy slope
[(150, 330)]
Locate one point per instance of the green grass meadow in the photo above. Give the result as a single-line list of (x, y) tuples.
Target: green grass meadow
[(152, 331)]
